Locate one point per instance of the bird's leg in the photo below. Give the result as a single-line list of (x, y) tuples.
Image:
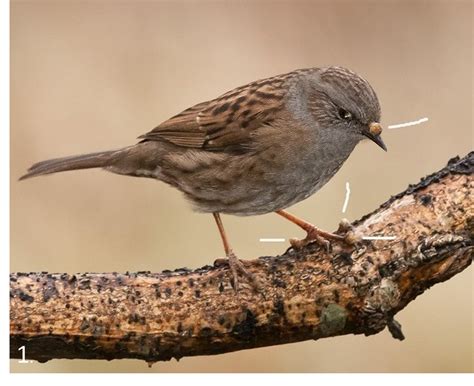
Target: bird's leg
[(234, 263), (313, 234)]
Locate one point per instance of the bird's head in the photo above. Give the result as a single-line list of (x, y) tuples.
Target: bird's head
[(345, 101)]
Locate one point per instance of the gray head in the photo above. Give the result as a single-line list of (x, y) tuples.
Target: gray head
[(341, 100)]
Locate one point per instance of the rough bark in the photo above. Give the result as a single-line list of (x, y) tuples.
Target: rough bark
[(307, 294)]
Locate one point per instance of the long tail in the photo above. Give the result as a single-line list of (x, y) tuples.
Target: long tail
[(85, 161)]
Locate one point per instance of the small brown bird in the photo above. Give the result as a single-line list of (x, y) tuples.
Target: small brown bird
[(257, 149)]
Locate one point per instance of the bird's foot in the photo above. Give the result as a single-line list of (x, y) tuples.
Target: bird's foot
[(237, 267), (344, 235), (346, 230), (316, 236)]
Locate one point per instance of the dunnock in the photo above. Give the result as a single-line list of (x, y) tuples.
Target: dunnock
[(259, 148)]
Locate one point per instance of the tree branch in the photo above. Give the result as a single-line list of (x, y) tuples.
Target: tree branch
[(307, 294)]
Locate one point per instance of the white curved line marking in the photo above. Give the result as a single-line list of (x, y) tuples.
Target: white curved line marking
[(346, 200), (412, 123)]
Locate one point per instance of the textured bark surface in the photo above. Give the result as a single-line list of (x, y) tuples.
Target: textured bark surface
[(307, 294)]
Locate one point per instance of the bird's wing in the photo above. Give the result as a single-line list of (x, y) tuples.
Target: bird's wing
[(227, 122)]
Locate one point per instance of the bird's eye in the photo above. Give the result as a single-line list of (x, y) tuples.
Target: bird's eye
[(344, 114)]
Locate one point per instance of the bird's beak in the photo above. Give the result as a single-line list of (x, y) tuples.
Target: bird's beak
[(373, 132)]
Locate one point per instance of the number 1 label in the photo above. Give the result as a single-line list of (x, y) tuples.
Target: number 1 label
[(23, 355)]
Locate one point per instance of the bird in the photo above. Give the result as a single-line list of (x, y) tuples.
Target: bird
[(256, 149)]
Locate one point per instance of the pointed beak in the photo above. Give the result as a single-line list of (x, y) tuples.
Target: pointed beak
[(373, 132)]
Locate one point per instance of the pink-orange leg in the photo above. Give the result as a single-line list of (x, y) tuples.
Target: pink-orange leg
[(234, 263), (313, 233)]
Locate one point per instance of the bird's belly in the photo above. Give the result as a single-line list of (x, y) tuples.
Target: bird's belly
[(253, 190)]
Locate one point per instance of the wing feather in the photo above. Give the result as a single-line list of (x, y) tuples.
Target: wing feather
[(227, 122)]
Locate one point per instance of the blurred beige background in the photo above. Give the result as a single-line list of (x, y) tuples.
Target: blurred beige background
[(94, 75)]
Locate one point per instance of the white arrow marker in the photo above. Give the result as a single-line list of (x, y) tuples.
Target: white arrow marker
[(346, 200), (412, 123), (274, 240)]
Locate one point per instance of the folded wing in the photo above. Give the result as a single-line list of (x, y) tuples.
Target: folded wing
[(227, 122)]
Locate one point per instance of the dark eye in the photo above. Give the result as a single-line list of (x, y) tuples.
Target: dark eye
[(344, 114)]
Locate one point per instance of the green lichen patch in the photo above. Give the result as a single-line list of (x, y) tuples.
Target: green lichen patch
[(333, 319)]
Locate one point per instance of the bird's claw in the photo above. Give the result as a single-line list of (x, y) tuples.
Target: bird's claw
[(237, 266), (344, 234), (312, 237), (347, 231)]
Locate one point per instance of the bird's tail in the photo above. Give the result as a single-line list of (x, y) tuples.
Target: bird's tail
[(84, 161)]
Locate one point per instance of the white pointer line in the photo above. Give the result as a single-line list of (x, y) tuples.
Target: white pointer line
[(379, 237), (275, 240), (346, 200), (412, 123)]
